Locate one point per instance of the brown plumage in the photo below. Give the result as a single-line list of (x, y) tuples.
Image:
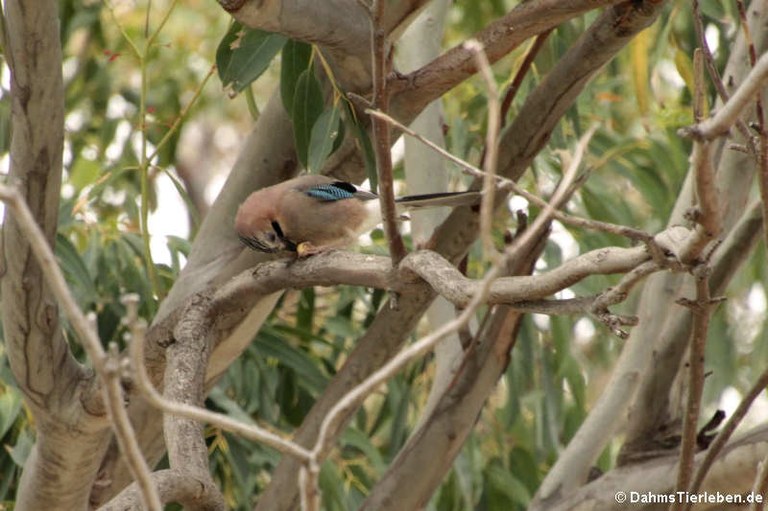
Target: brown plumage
[(311, 212)]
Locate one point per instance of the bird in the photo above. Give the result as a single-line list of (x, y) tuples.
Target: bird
[(313, 213)]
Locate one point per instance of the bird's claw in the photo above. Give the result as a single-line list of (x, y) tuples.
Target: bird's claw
[(306, 249)]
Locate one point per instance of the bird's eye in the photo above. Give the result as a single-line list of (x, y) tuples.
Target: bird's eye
[(271, 237), (278, 230)]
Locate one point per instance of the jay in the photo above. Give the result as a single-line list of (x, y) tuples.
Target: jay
[(311, 213)]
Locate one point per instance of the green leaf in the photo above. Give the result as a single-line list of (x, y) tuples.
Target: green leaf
[(20, 452), (309, 376), (353, 437), (230, 406), (10, 405), (321, 141), (295, 59), (244, 54), (504, 488), (76, 272), (307, 108), (369, 157)]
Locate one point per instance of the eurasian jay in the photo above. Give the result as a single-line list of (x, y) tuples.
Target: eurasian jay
[(310, 213)]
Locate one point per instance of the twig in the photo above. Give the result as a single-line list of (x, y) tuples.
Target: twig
[(356, 396), (761, 485), (714, 74), (503, 182), (382, 135), (709, 226), (701, 309), (309, 485), (707, 214), (725, 433), (720, 123), (490, 161), (184, 111), (762, 153), (618, 294), (752, 59), (126, 438), (148, 391), (366, 6), (87, 335), (517, 81)]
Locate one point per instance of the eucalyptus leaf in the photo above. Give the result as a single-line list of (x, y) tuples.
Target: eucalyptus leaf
[(244, 54), (322, 139), (10, 405), (296, 58), (307, 108)]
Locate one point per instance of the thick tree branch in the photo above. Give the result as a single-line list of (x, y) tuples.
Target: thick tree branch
[(732, 473), (411, 93), (421, 464), (172, 486), (663, 343), (720, 441), (458, 289), (65, 399), (452, 239), (185, 383)]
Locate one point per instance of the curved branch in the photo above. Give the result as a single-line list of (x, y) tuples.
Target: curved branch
[(412, 92), (172, 485), (450, 283), (732, 473)]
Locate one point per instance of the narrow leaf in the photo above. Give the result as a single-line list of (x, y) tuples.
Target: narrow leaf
[(322, 139), (295, 59), (307, 108), (244, 54)]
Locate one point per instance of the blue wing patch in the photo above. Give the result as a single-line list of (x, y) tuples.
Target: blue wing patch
[(332, 192)]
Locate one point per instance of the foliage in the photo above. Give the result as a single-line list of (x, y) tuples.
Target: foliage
[(636, 162)]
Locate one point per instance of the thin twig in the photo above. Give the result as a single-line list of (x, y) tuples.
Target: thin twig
[(380, 49), (87, 335), (619, 293), (356, 396), (761, 485), (148, 391), (752, 59), (762, 176), (720, 123), (184, 111), (517, 81), (126, 438), (503, 182), (714, 74), (725, 433), (708, 217), (309, 485), (701, 309), (490, 161)]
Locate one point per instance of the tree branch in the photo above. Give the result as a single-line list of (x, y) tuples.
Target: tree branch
[(382, 137), (732, 473), (411, 93)]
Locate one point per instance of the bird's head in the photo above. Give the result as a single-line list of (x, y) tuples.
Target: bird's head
[(257, 226), (268, 239)]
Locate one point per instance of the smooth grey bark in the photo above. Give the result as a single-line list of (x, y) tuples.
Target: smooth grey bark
[(653, 413), (72, 431)]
